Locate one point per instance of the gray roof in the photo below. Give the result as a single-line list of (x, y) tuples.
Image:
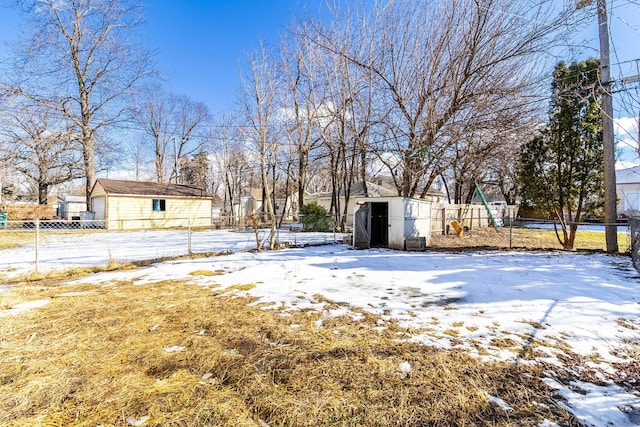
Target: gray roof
[(357, 190), (137, 188), (73, 199)]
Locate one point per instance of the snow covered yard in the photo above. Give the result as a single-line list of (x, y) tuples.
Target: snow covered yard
[(576, 315)]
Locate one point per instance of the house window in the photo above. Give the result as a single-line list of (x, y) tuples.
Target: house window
[(159, 205), (633, 201)]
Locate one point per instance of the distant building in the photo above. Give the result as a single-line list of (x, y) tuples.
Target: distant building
[(628, 190), (69, 207), (136, 205)]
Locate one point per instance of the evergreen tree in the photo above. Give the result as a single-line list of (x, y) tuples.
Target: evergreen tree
[(561, 169)]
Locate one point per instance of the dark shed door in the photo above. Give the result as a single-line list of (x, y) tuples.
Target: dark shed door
[(361, 227), (379, 225)]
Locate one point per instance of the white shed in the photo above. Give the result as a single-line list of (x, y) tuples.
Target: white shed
[(70, 207), (391, 222)]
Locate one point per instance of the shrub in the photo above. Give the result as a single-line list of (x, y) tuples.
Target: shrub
[(315, 217)]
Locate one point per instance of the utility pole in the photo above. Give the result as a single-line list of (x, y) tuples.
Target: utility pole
[(608, 138), (608, 142)]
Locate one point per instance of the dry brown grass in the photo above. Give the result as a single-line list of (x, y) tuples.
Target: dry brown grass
[(184, 355), (13, 239), (524, 238)]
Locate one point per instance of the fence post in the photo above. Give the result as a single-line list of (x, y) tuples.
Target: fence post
[(334, 225), (37, 243), (189, 236), (634, 225), (510, 232)]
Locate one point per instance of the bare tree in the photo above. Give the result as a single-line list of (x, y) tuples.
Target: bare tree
[(80, 60), (175, 125), (189, 118), (301, 102), (155, 114), (40, 148), (232, 163), (435, 67), (259, 101)]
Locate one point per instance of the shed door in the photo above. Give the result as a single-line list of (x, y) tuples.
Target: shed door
[(379, 225), (97, 205), (361, 227)]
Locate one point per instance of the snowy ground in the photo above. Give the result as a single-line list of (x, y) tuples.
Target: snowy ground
[(590, 303)]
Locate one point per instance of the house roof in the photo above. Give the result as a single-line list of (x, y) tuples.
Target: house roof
[(73, 199), (357, 190), (137, 188), (628, 176)]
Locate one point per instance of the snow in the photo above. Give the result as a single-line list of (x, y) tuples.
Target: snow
[(501, 403), (19, 308), (584, 307)]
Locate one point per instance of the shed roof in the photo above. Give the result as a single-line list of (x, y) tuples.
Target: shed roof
[(137, 188), (73, 199)]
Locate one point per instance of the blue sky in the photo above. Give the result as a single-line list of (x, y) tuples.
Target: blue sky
[(199, 42)]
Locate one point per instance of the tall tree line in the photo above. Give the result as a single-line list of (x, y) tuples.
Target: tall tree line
[(410, 90)]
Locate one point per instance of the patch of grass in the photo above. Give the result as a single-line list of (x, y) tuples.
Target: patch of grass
[(55, 276), (533, 324), (245, 287), (528, 238), (206, 273), (182, 354), (626, 324), (504, 342), (12, 239)]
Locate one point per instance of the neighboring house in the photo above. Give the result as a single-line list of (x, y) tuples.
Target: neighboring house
[(251, 201), (136, 205), (628, 190), (70, 207), (357, 191)]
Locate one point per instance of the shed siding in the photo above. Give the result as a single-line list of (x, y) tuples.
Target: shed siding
[(407, 218), (417, 218), (396, 221)]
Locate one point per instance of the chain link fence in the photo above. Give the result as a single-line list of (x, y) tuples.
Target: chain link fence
[(531, 234), (634, 233), (28, 246)]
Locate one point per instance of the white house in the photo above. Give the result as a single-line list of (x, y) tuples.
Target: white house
[(69, 207), (628, 190), (250, 201)]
